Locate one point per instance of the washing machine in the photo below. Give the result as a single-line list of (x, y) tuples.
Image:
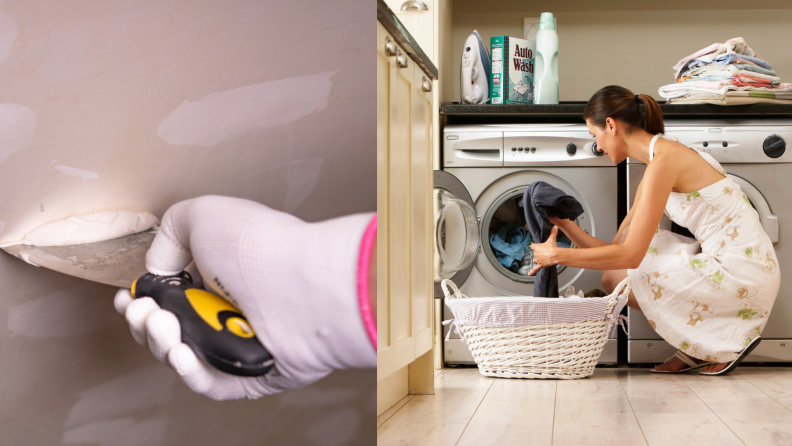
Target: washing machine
[(486, 170), (754, 153)]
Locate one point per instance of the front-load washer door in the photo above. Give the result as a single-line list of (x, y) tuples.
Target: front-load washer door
[(456, 231), (500, 214)]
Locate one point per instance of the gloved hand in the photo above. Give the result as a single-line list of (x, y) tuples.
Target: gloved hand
[(295, 282)]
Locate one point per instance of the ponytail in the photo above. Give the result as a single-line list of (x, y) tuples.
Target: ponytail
[(622, 105)]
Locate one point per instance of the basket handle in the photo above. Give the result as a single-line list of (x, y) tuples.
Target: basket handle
[(622, 288), (614, 303), (456, 294)]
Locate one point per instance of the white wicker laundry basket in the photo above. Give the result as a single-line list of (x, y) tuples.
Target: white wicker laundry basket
[(536, 337)]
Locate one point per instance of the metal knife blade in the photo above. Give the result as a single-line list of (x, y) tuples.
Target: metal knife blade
[(116, 262)]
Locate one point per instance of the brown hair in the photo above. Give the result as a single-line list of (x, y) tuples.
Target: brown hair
[(621, 104)]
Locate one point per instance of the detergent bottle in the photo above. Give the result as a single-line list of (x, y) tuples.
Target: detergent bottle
[(546, 62)]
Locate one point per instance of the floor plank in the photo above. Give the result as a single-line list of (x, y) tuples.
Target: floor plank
[(441, 418), (775, 382), (595, 410), (755, 417), (669, 412), (389, 413), (514, 412)]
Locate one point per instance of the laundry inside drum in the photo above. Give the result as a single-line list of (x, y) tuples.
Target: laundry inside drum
[(507, 239)]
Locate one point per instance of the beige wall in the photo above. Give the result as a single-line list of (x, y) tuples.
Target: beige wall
[(139, 105), (629, 43)]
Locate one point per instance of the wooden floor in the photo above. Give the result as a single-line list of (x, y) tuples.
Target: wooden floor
[(752, 406)]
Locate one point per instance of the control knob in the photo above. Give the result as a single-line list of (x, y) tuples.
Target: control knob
[(774, 146), (597, 151), (571, 148)]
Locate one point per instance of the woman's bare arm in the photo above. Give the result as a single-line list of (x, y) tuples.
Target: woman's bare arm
[(646, 214), (579, 237), (624, 228), (583, 239)]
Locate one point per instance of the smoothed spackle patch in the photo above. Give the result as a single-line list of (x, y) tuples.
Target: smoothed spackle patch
[(68, 312), (79, 173), (301, 178), (119, 432), (225, 115), (8, 34), (140, 389), (17, 127)]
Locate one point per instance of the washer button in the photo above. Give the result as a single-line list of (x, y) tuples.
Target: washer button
[(514, 149), (452, 137), (533, 149), (715, 130), (520, 149), (725, 144), (705, 144)]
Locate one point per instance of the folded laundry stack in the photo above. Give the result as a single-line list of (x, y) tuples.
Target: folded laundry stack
[(726, 74)]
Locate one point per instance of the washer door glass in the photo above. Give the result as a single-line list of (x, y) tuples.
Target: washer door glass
[(508, 241), (456, 234)]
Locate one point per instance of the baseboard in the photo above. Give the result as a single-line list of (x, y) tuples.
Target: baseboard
[(391, 390)]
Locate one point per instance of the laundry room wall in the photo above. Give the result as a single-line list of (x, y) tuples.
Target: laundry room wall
[(139, 105), (627, 42)]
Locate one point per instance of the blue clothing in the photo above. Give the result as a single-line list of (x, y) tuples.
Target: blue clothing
[(724, 59), (509, 243), (757, 61)]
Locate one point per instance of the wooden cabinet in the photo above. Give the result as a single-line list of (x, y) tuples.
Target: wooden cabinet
[(420, 24), (404, 189)]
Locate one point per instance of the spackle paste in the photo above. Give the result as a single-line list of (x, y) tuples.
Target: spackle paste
[(91, 228)]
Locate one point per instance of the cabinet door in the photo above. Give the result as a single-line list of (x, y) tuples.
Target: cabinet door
[(400, 208), (421, 193), (395, 338), (404, 190)]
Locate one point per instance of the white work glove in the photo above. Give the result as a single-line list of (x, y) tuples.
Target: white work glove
[(295, 282)]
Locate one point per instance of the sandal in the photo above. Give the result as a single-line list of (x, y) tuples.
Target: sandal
[(733, 365), (690, 362)]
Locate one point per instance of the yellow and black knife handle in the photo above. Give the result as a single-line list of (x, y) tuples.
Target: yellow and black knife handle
[(216, 330)]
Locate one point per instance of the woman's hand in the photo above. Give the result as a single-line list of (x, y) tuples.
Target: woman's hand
[(545, 253)]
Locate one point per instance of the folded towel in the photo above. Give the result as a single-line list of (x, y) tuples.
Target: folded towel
[(754, 68), (736, 45), (722, 72), (678, 90), (729, 100)]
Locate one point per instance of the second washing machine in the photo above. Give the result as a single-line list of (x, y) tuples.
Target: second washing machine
[(486, 170)]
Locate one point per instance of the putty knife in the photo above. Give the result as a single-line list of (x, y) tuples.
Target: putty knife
[(216, 330), (116, 262)]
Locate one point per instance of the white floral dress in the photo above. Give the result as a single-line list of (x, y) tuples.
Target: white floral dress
[(712, 295)]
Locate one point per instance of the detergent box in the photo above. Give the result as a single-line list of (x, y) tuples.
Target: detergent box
[(512, 70)]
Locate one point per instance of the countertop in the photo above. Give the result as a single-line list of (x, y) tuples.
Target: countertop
[(404, 39), (573, 111)]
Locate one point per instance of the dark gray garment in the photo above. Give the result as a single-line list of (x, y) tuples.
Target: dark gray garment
[(539, 202)]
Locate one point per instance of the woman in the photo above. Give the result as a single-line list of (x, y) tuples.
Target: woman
[(711, 296)]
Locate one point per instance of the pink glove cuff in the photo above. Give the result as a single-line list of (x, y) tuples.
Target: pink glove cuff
[(366, 246)]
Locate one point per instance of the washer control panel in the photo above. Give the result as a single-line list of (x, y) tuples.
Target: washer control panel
[(516, 145), (735, 141)]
